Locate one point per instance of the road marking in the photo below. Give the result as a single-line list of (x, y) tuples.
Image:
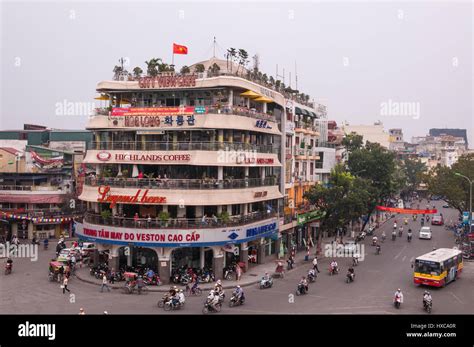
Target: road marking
[(460, 301), (404, 247), (404, 257)]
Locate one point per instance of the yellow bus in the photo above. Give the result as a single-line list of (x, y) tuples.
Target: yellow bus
[(439, 267)]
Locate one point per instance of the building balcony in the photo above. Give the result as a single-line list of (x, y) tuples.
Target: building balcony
[(25, 189), (176, 194), (182, 146), (179, 223), (199, 184)]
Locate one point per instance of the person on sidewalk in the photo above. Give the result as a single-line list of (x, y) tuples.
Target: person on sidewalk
[(104, 284), (315, 264), (238, 271), (65, 282)]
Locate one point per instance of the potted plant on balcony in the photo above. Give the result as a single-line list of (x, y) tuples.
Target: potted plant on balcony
[(164, 217), (224, 217), (106, 214)]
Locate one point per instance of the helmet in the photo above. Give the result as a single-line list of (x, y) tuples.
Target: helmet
[(399, 290), (238, 286)]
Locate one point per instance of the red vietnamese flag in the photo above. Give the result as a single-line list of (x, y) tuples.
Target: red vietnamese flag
[(178, 49)]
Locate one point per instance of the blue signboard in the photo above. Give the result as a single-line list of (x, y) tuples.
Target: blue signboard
[(465, 218)]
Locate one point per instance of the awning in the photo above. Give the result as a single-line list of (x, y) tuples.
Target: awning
[(306, 113), (102, 97), (298, 110), (263, 99), (250, 94), (314, 115)]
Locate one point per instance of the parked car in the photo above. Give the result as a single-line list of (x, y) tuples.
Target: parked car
[(425, 233), (446, 206), (437, 220), (86, 249)]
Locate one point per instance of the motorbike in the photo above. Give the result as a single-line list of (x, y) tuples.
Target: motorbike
[(8, 269), (350, 277), (374, 242), (377, 250), (185, 279), (208, 308), (394, 236), (409, 237), (235, 302), (207, 276), (311, 278), (397, 301), (370, 231), (301, 289), (333, 270), (355, 261), (229, 273), (263, 284), (400, 232), (168, 305), (163, 301), (383, 238), (155, 280), (427, 305), (189, 291)]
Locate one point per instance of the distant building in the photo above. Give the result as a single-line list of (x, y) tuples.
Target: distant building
[(396, 140), (453, 132), (443, 149), (38, 172), (373, 133)]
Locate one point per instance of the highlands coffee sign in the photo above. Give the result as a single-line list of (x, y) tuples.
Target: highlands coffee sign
[(140, 197), (173, 81), (148, 157)]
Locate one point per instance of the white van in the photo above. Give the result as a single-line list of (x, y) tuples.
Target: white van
[(425, 233)]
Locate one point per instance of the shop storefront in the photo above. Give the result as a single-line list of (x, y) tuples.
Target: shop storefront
[(138, 257)]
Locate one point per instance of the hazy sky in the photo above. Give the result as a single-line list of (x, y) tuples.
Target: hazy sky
[(353, 56)]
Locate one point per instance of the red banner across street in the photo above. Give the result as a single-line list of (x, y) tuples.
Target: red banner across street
[(405, 210)]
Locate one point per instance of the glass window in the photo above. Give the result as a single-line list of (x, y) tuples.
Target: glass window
[(426, 267)]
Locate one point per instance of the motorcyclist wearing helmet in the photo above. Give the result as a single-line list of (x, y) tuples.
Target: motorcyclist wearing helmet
[(266, 277), (181, 298), (334, 266), (426, 298), (239, 293), (214, 300), (304, 283), (312, 273)]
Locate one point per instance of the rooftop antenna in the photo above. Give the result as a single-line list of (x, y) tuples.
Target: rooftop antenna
[(214, 54), (296, 77), (277, 75)]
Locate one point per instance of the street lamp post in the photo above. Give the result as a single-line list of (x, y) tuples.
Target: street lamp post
[(470, 198)]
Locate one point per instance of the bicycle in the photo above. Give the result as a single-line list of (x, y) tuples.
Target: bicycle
[(189, 291)]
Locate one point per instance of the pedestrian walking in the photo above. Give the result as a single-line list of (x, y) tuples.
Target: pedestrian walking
[(81, 311), (306, 257), (238, 271), (64, 286), (315, 264), (104, 284)]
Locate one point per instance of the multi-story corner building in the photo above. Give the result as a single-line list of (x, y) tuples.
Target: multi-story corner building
[(38, 171), (192, 169), (373, 133), (443, 149)]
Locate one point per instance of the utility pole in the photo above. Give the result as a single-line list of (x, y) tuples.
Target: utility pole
[(470, 198), (214, 54)]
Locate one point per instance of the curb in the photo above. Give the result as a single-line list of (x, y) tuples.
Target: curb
[(158, 290)]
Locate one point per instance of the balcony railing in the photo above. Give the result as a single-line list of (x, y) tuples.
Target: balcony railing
[(159, 183), (234, 110), (32, 188), (182, 146), (178, 223)]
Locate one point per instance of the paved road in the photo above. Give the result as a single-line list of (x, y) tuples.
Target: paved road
[(377, 277)]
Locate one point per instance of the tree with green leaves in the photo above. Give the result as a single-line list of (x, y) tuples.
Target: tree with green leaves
[(352, 142), (343, 199), (243, 59), (199, 68), (377, 165), (185, 69), (137, 72), (441, 180), (232, 54), (413, 171), (152, 66)]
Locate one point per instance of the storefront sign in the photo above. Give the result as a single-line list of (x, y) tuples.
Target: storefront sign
[(263, 124), (260, 194), (157, 121), (290, 127), (243, 158), (158, 111), (139, 197), (176, 237), (172, 81), (267, 92), (152, 157), (103, 156)]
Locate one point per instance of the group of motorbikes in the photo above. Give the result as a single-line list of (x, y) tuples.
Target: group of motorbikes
[(184, 275)]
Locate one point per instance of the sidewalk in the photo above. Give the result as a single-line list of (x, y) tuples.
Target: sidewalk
[(251, 277)]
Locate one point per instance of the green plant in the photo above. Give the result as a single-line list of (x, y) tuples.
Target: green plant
[(106, 214), (224, 216), (164, 216)]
